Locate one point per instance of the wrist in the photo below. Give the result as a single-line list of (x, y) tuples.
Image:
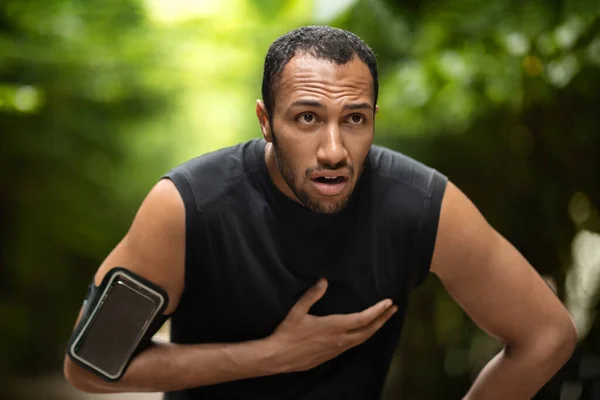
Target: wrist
[(269, 356), (254, 358)]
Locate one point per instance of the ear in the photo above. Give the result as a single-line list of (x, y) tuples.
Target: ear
[(376, 109), (263, 120)]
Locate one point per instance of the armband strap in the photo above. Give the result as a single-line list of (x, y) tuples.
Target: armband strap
[(118, 320)]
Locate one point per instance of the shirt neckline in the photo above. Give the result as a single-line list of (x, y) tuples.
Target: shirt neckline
[(292, 208)]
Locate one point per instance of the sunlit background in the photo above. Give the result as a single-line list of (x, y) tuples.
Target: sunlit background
[(99, 98)]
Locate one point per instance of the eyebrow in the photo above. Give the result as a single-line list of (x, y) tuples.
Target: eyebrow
[(358, 106), (318, 104)]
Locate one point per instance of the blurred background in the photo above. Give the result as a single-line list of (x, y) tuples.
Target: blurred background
[(99, 98)]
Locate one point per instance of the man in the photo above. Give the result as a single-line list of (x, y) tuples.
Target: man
[(288, 260)]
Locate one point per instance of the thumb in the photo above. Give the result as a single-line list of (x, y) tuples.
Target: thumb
[(309, 298)]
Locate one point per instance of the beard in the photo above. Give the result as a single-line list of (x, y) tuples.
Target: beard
[(288, 171)]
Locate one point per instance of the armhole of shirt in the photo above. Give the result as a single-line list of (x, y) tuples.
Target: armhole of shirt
[(181, 181), (429, 227)]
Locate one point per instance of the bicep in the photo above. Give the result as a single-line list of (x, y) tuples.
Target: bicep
[(154, 246), (488, 277)]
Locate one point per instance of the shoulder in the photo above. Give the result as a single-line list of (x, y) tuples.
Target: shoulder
[(206, 178), (409, 196), (406, 180)]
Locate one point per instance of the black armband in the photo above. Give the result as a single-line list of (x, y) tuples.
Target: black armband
[(119, 319)]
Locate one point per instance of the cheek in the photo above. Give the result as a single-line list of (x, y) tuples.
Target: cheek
[(358, 148), (293, 158), (299, 148)]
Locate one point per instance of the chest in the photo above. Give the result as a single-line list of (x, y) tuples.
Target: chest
[(256, 268)]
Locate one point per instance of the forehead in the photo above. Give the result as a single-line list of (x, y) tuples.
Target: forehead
[(307, 77)]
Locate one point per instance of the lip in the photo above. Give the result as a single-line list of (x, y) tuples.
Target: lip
[(329, 174), (330, 189)]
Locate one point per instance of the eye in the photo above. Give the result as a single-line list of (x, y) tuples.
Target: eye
[(306, 118), (356, 119)]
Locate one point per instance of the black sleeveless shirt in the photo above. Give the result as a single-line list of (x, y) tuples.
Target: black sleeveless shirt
[(251, 252)]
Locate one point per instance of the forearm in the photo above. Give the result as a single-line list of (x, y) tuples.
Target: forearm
[(168, 367), (519, 374)]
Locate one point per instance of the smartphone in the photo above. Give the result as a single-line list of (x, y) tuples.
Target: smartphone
[(117, 324)]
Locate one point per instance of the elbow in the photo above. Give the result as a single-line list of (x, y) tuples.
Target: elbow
[(72, 375), (557, 342), (552, 344), (78, 378), (567, 337)]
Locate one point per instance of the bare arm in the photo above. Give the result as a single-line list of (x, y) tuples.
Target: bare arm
[(154, 248), (504, 296), (170, 367)]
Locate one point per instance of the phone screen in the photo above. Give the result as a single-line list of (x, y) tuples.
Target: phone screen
[(116, 329)]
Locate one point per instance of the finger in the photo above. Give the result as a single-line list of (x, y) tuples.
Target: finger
[(362, 334), (361, 319), (309, 298)]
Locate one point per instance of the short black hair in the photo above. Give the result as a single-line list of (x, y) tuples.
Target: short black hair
[(322, 42)]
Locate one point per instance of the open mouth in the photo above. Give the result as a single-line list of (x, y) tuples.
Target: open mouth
[(329, 185), (330, 180)]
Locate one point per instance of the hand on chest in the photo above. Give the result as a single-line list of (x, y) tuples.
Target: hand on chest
[(263, 291), (260, 274)]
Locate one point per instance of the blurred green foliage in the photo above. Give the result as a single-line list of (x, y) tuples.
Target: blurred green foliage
[(99, 98)]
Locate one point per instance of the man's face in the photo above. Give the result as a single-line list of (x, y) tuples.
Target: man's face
[(321, 130)]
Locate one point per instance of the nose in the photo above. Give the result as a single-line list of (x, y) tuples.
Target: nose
[(331, 149)]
